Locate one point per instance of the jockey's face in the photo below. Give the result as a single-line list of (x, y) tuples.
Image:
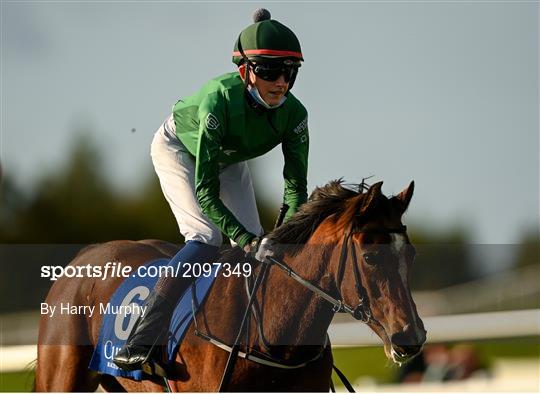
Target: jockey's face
[(271, 91)]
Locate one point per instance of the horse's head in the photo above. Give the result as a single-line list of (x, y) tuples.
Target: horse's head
[(364, 257), (372, 267)]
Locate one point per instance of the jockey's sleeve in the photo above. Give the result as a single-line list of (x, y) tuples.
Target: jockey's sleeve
[(295, 148), (212, 124)]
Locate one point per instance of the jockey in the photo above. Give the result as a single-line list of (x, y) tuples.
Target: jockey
[(200, 154)]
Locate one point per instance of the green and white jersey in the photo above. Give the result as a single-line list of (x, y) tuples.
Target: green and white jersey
[(218, 127)]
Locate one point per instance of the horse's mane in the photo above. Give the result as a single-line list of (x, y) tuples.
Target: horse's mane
[(324, 201)]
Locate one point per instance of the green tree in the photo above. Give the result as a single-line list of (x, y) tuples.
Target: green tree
[(78, 204), (529, 249), (442, 259), (13, 202)]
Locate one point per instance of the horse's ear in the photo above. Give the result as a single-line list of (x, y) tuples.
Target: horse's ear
[(404, 198), (372, 195), (359, 205)]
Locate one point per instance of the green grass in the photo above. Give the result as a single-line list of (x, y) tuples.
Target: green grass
[(16, 381), (371, 361), (362, 361), (488, 351)]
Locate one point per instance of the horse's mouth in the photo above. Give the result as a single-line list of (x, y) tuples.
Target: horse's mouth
[(401, 356), (381, 332), (398, 354)]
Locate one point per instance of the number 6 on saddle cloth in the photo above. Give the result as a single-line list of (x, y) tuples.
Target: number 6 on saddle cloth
[(115, 328)]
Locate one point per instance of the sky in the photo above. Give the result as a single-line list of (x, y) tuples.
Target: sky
[(443, 93)]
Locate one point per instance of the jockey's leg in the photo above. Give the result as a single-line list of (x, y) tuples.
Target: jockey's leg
[(175, 168), (176, 171), (151, 328)]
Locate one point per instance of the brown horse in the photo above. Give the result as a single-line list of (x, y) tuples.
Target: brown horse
[(349, 246)]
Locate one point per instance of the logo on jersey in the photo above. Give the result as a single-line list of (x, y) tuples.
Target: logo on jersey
[(302, 126), (211, 122)]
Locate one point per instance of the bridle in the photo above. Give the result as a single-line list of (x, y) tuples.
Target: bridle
[(362, 310)]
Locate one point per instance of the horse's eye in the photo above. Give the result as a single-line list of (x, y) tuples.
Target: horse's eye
[(372, 258)]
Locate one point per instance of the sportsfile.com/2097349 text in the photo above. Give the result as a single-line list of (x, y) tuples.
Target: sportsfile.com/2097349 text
[(114, 269)]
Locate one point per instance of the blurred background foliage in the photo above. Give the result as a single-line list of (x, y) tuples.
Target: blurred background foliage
[(77, 204)]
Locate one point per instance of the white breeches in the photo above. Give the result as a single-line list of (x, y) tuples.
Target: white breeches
[(175, 168)]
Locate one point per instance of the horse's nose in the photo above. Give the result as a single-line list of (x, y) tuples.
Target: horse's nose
[(406, 344), (409, 336)]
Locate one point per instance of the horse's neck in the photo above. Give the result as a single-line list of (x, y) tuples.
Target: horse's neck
[(292, 314)]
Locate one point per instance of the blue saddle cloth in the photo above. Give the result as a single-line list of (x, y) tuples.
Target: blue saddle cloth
[(115, 327)]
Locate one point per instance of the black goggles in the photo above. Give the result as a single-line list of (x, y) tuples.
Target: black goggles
[(271, 72)]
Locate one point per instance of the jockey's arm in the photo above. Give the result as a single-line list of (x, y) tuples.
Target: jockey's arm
[(295, 148), (211, 129)]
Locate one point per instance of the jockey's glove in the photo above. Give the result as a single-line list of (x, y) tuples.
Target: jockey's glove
[(260, 249)]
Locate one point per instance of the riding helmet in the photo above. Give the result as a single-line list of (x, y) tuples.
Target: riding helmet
[(266, 39)]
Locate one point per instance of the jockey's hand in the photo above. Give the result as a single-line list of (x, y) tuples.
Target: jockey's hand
[(260, 249)]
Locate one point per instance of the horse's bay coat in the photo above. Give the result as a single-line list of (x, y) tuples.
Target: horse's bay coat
[(294, 321)]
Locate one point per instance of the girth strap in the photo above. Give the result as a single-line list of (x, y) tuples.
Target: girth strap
[(262, 359)]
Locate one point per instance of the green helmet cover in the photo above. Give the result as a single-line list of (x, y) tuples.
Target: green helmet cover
[(267, 39)]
